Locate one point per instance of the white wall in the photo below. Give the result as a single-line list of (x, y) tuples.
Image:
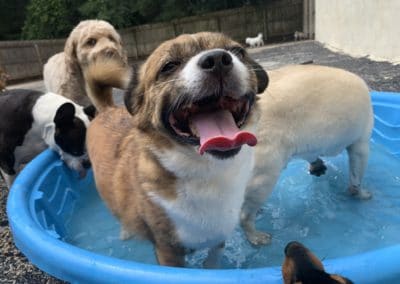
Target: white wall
[(360, 27)]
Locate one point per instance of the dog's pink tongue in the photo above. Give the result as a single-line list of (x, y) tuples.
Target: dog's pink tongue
[(218, 131)]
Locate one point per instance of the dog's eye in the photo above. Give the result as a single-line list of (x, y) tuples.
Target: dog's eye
[(111, 38), (91, 42), (238, 51), (170, 66)]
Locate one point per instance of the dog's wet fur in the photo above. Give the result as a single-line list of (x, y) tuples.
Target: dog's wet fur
[(301, 266), (145, 157)]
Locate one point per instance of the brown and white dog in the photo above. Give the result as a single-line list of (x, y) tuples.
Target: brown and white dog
[(173, 166), (301, 266), (88, 43), (308, 111)]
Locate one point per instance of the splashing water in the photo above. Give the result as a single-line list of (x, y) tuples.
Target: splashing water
[(313, 210)]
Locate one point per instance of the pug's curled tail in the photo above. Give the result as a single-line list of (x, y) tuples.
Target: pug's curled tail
[(101, 76)]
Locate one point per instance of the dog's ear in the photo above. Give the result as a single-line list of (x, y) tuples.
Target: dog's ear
[(133, 98), (71, 59), (70, 47), (90, 111), (65, 114), (261, 74)]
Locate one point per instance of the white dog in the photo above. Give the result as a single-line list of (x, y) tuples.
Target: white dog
[(89, 40), (255, 41), (299, 36), (308, 111)]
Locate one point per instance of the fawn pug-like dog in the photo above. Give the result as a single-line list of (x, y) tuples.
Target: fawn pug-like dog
[(173, 166), (308, 111)]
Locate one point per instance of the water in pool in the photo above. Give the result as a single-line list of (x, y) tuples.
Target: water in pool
[(313, 210)]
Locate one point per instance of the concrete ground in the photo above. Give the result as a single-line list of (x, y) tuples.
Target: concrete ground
[(381, 76)]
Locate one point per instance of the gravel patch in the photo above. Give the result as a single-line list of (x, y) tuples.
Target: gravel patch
[(14, 266), (380, 76)]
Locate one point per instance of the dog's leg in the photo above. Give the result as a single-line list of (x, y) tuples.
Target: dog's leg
[(214, 256), (247, 221), (256, 194), (169, 255), (125, 234), (317, 168), (358, 158)]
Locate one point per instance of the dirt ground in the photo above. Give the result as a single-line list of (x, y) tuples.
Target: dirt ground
[(381, 76)]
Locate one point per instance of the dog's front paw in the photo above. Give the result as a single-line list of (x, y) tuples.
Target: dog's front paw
[(258, 238), (359, 193), (125, 234)]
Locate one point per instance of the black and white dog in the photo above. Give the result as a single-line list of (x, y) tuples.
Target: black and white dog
[(31, 121)]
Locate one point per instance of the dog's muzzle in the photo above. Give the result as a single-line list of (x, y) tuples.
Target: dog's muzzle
[(213, 119)]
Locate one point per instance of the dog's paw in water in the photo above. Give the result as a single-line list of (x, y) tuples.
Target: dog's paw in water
[(258, 238), (359, 193), (302, 266)]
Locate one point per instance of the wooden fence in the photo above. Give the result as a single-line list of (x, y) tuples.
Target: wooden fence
[(277, 20)]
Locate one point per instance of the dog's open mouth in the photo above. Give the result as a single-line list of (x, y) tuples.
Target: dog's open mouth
[(214, 123)]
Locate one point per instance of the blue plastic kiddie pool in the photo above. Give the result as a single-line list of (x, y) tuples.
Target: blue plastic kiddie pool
[(45, 194)]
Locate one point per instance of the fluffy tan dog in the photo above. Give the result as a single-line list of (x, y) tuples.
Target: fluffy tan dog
[(173, 166), (308, 111), (89, 41)]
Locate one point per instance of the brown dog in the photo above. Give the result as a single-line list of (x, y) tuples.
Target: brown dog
[(173, 167), (301, 266)]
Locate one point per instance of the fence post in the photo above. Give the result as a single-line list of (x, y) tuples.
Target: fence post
[(265, 23), (174, 27), (39, 57), (308, 18), (218, 23), (136, 45)]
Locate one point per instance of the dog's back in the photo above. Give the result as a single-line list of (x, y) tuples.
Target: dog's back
[(15, 121), (316, 105), (53, 72)]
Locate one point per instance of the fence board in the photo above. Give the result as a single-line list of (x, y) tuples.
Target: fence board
[(24, 59)]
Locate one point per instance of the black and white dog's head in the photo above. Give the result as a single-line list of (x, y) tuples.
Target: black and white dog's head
[(66, 134)]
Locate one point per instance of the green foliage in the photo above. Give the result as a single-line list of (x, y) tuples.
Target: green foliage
[(56, 18), (48, 19), (120, 13), (12, 15)]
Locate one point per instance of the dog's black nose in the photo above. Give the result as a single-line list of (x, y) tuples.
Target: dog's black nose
[(217, 61)]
